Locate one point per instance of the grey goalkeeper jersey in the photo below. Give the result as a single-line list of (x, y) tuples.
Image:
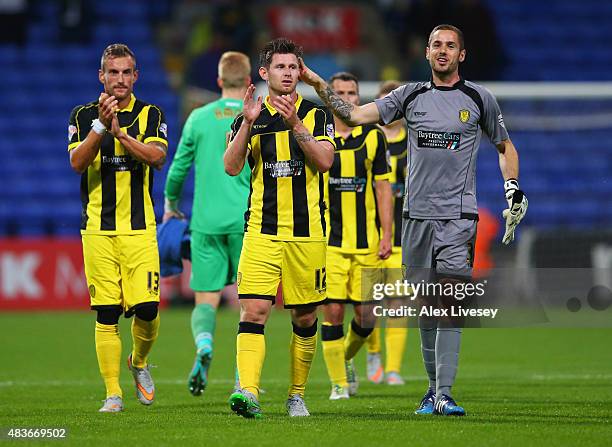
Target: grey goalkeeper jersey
[(445, 125)]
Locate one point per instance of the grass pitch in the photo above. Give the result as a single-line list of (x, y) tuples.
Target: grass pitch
[(519, 387)]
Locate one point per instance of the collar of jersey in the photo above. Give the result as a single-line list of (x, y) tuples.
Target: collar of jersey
[(354, 133), (130, 106), (399, 137), (455, 86), (273, 111)]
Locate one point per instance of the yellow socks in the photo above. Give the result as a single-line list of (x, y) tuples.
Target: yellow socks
[(302, 350), (395, 342), (373, 342), (333, 352), (108, 350), (144, 334), (356, 338), (250, 354)]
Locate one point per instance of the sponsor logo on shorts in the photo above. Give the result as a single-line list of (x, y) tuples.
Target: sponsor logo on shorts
[(92, 291), (438, 140), (285, 168), (347, 184), (464, 115), (420, 113)]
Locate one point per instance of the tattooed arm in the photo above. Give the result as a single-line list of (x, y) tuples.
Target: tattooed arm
[(320, 153), (351, 114)]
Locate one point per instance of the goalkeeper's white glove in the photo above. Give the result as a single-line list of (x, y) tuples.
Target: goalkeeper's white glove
[(517, 208)]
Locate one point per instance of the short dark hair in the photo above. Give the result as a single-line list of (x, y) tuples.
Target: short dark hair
[(116, 50), (278, 46), (448, 27), (343, 76)]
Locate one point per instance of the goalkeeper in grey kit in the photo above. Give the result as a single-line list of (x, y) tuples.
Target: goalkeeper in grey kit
[(446, 118)]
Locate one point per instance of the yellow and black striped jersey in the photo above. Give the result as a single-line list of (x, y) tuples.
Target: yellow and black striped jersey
[(286, 198), (359, 160), (398, 159), (116, 189)]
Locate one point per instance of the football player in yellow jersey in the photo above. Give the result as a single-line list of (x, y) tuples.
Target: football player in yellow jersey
[(395, 328), (114, 143), (289, 143), (359, 194)]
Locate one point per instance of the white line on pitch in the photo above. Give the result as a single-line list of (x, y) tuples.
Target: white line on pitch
[(409, 378)]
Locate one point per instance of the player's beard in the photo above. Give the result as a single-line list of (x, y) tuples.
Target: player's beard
[(280, 88), (125, 93), (444, 71)]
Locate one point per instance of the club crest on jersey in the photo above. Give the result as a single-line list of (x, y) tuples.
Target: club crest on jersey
[(464, 115)]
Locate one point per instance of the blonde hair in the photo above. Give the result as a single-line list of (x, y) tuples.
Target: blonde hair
[(234, 69), (387, 87)]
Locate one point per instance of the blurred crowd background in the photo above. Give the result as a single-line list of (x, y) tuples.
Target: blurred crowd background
[(50, 52)]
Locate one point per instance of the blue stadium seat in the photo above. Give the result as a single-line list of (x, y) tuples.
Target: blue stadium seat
[(37, 100), (10, 54), (39, 85), (577, 27)]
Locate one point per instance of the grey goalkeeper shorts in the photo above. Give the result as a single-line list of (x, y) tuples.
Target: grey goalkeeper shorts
[(438, 248)]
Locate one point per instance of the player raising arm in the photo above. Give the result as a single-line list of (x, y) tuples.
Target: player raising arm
[(289, 142), (321, 154), (445, 118), (354, 115)]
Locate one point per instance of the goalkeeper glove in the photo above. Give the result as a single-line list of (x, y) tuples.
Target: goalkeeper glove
[(517, 208)]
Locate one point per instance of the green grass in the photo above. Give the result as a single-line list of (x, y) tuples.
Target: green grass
[(519, 386)]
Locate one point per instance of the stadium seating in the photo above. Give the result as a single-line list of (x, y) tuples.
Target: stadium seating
[(39, 85), (562, 40), (566, 174), (41, 82)]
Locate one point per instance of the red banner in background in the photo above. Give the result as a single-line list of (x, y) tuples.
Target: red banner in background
[(317, 27), (43, 274)]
